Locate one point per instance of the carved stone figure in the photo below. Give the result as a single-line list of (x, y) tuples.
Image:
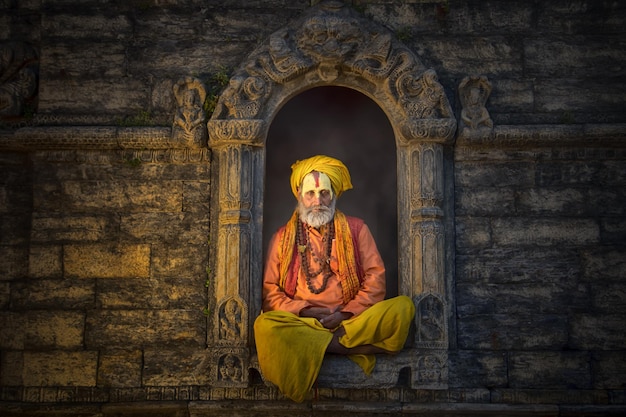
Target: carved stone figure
[(189, 127), (18, 78), (474, 92), (230, 369), (230, 320), (430, 320)]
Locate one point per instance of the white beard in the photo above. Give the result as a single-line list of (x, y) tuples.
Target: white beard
[(317, 218)]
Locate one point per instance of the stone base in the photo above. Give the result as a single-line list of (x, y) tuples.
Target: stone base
[(244, 408)]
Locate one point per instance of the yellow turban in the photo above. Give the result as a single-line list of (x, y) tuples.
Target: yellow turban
[(334, 168)]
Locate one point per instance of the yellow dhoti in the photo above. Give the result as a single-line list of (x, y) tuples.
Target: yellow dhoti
[(291, 348)]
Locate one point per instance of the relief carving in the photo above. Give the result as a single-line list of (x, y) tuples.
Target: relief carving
[(430, 318), (243, 97), (431, 371), (19, 66), (189, 127), (283, 61), (230, 320), (230, 369), (331, 43), (473, 93), (422, 97)]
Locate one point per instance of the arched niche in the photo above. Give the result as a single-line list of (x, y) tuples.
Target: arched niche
[(332, 45), (348, 125)]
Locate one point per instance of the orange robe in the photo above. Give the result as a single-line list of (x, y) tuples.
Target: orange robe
[(372, 289), (291, 349)]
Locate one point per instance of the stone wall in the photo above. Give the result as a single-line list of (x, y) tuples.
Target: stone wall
[(107, 225)]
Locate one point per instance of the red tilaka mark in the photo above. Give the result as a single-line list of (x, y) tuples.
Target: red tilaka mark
[(316, 175)]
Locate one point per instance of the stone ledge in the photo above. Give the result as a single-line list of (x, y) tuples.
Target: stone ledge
[(247, 408), (545, 135), (111, 137)]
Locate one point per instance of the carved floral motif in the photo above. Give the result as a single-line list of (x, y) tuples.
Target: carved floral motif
[(328, 44)]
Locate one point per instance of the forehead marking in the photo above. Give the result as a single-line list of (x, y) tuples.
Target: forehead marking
[(316, 176)]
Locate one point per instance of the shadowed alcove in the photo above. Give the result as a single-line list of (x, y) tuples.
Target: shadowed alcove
[(345, 124)]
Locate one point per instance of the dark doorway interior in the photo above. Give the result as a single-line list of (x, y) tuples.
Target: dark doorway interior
[(345, 124)]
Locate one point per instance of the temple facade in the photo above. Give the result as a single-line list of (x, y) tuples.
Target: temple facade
[(135, 153)]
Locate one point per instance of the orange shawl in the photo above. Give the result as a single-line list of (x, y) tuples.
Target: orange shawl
[(346, 235)]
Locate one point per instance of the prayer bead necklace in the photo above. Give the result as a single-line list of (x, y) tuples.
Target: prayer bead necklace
[(304, 244)]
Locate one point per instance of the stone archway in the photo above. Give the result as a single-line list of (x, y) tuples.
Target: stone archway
[(332, 45)]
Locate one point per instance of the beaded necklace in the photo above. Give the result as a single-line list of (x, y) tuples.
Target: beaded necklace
[(304, 245)]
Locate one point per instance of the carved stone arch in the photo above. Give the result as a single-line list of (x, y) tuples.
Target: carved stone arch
[(332, 45)]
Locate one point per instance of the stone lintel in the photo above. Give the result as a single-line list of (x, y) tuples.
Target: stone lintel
[(545, 135)]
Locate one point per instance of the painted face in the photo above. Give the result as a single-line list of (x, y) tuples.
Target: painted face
[(316, 189)]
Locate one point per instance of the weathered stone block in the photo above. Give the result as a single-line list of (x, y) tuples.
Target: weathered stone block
[(106, 59), (5, 294), (78, 228), (485, 202), (13, 262), (608, 297), (120, 368), (167, 227), (609, 369), (136, 328), (477, 369), (472, 233), (11, 365), (553, 201), (12, 327), (484, 55), (124, 196), (598, 332), (14, 228), (196, 196), (550, 57), (124, 95), (177, 367), (45, 261), (603, 264), (514, 265), (60, 368), (538, 370), (162, 293), (54, 294), (511, 95), (545, 232), (501, 174), (54, 330), (502, 332), (526, 299), (106, 261), (65, 24), (182, 261)]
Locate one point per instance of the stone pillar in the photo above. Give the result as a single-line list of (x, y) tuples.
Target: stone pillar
[(422, 244), (239, 156)]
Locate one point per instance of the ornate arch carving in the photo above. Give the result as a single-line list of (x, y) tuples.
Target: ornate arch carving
[(332, 45)]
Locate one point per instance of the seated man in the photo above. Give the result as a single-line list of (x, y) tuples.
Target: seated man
[(324, 287)]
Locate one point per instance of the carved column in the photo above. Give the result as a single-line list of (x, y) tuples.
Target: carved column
[(422, 258), (239, 156)]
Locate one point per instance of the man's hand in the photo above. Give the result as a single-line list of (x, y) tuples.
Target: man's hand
[(315, 312), (334, 320)]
